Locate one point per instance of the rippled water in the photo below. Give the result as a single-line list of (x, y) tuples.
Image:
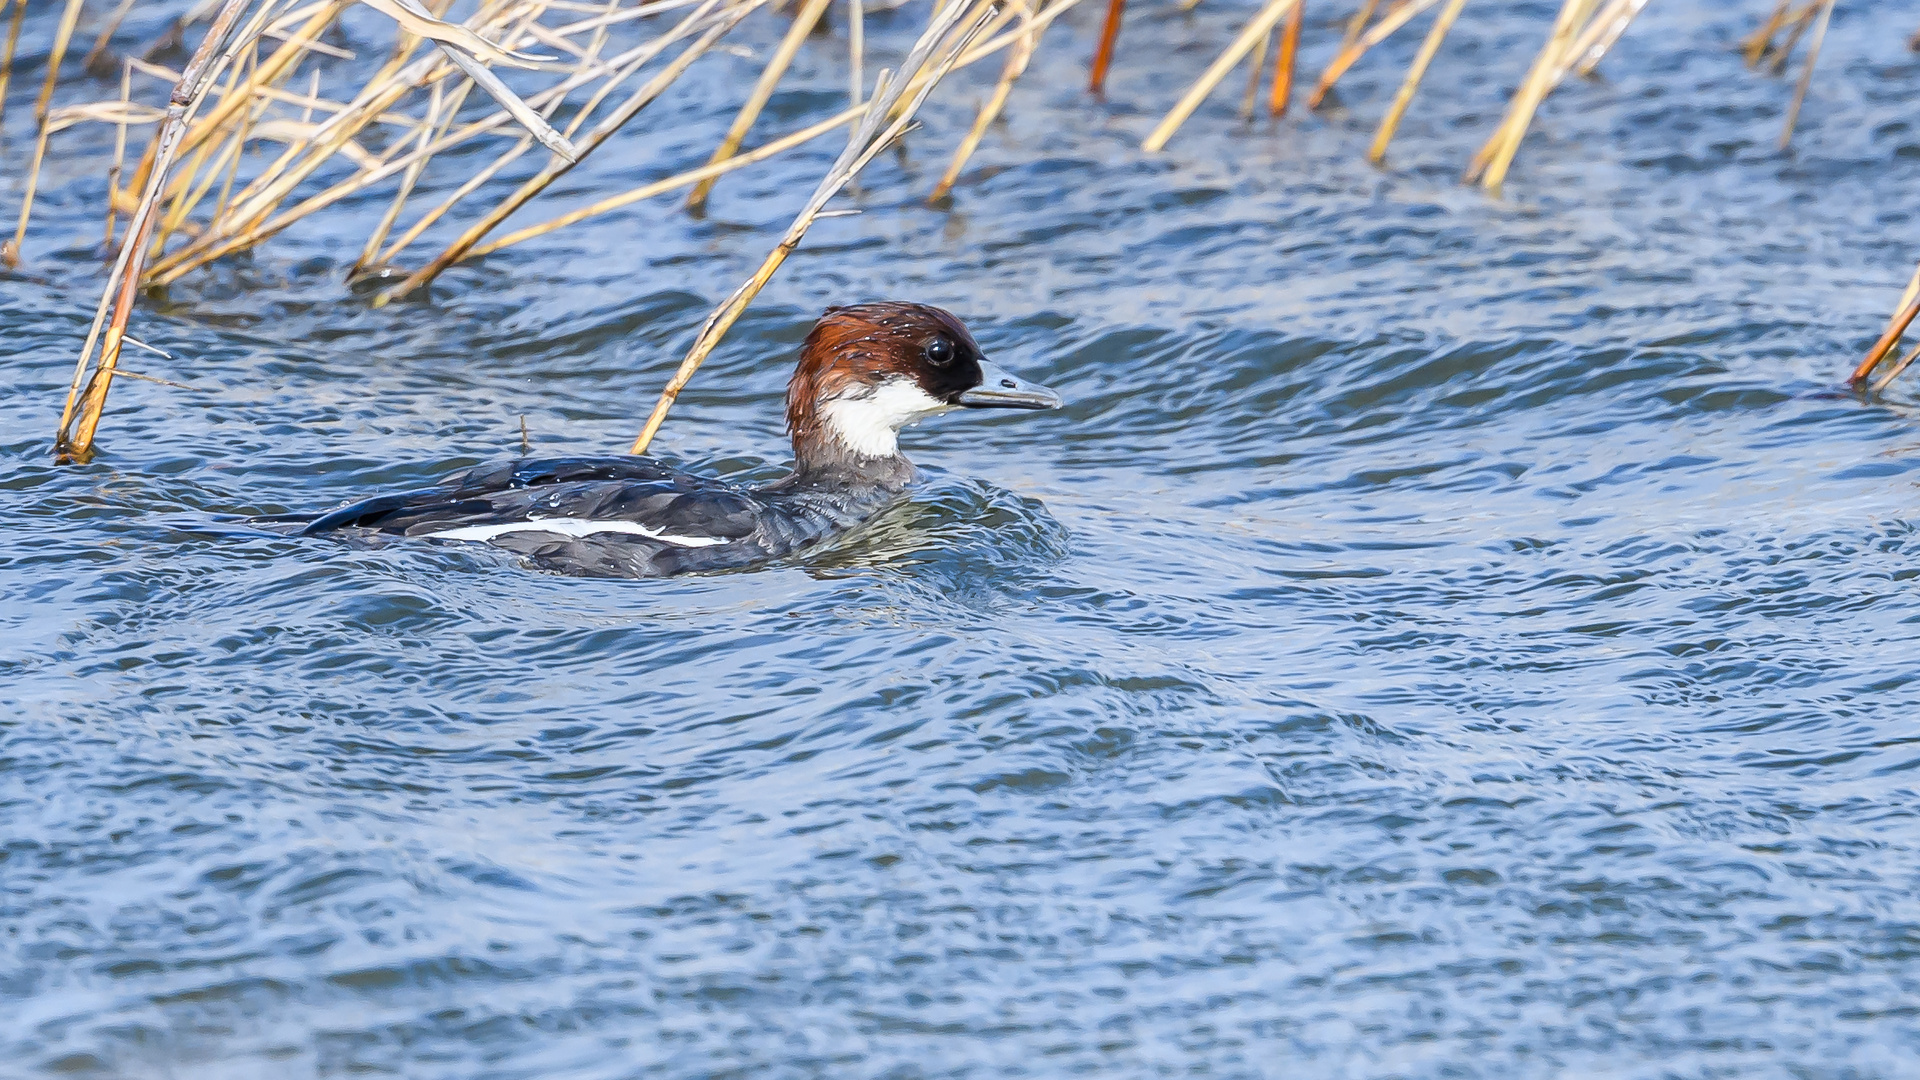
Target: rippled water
[(1443, 636)]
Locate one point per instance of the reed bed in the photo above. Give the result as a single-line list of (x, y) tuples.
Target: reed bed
[(559, 79)]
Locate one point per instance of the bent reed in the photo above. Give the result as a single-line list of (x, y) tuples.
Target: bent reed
[(263, 73)]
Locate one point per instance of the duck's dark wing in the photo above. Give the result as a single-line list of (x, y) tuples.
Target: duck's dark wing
[(531, 472), (641, 506)]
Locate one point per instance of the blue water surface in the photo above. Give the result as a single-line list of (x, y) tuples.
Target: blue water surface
[(1443, 636)]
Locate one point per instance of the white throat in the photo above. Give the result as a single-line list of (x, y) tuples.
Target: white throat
[(866, 421)]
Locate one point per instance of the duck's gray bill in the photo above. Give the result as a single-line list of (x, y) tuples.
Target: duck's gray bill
[(999, 389)]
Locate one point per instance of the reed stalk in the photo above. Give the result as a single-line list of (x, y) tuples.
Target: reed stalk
[(1289, 53), (856, 49), (1611, 24), (74, 440), (1350, 53), (553, 170), (10, 251), (183, 198), (1755, 45), (1894, 372), (1797, 24), (1103, 53), (1252, 97), (1260, 25), (435, 122), (263, 207), (803, 23), (7, 51), (1016, 65), (96, 61), (1429, 48), (762, 153), (119, 143), (868, 140), (1358, 24), (1806, 74), (1903, 318), (465, 49), (1491, 163)]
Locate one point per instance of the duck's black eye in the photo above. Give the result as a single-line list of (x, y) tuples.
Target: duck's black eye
[(939, 352)]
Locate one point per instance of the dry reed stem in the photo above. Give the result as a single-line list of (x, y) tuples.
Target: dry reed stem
[(241, 136), (1289, 54), (6, 53), (180, 187), (213, 122), (418, 22), (856, 49), (247, 224), (1017, 59), (1350, 54), (1252, 97), (215, 244), (763, 88), (119, 144), (248, 33), (97, 55), (592, 53), (1902, 319), (1912, 290), (1357, 24), (1797, 28), (458, 43), (1755, 44), (867, 141), (429, 122), (300, 160), (269, 70), (10, 252), (467, 187), (556, 169), (602, 21), (608, 86), (1598, 22), (1806, 75), (305, 156), (1612, 23), (1894, 372), (1261, 23), (1429, 48), (694, 176), (1490, 165), (1000, 13), (123, 373), (187, 193), (1103, 53), (256, 229), (123, 284), (104, 112)]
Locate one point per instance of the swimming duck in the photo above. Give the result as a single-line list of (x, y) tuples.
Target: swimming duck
[(865, 372)]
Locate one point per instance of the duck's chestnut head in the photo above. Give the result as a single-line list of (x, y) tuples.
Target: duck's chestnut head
[(869, 369)]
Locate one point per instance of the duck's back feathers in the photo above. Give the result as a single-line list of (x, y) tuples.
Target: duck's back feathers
[(634, 515)]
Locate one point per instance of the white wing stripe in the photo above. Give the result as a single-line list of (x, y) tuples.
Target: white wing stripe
[(572, 527)]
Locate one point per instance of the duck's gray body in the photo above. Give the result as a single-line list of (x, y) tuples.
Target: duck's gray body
[(626, 516)]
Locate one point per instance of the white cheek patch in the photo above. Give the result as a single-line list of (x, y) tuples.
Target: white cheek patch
[(866, 424), (576, 527)]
